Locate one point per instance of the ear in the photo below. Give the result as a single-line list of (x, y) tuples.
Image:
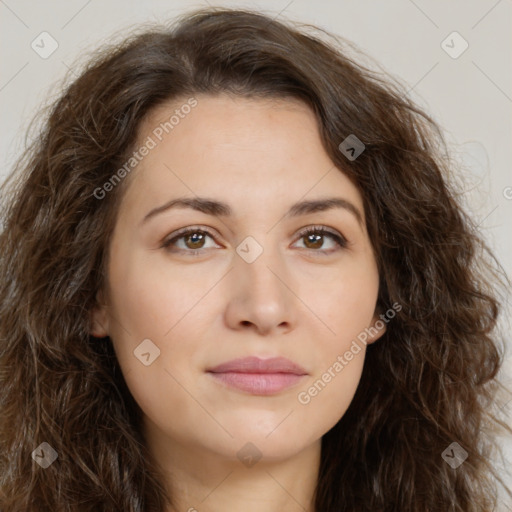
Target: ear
[(99, 325), (377, 328)]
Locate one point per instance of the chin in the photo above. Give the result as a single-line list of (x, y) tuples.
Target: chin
[(272, 444)]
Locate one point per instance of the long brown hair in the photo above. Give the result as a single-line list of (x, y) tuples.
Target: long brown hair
[(430, 381)]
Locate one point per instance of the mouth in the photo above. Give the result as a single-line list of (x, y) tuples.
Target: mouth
[(259, 376)]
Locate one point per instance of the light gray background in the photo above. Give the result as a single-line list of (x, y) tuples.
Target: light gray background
[(470, 96)]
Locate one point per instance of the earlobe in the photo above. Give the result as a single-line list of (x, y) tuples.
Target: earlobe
[(377, 329)]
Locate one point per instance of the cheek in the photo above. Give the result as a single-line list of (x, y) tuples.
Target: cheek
[(151, 302), (329, 393), (347, 303), (152, 315), (348, 307), (151, 299), (339, 361)]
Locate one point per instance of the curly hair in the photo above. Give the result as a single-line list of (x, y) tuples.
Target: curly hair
[(430, 381)]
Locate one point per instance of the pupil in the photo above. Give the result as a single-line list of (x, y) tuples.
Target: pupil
[(196, 238), (315, 239)]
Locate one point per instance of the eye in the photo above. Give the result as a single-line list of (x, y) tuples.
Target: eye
[(194, 240), (315, 236)]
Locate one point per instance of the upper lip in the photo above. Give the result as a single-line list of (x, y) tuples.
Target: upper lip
[(257, 365)]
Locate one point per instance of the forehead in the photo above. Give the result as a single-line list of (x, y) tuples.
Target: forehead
[(264, 150), (222, 121)]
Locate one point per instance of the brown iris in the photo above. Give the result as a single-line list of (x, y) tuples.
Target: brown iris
[(197, 238), (316, 244)]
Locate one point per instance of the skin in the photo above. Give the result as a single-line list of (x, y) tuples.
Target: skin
[(299, 299)]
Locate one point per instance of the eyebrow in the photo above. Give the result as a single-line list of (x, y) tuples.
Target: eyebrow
[(220, 209)]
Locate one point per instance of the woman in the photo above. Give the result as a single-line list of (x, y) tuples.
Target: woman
[(235, 277)]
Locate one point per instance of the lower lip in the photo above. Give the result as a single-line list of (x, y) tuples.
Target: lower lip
[(259, 383)]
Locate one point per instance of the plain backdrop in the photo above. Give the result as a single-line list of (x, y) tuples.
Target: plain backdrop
[(463, 80)]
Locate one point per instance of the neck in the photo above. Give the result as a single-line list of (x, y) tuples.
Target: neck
[(199, 480)]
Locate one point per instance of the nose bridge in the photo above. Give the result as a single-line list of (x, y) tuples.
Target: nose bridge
[(258, 261), (260, 296)]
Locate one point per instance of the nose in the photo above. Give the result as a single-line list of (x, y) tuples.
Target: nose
[(261, 296)]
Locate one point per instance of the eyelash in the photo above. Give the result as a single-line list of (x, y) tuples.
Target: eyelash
[(340, 240)]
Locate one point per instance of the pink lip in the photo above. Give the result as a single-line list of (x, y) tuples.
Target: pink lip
[(259, 376)]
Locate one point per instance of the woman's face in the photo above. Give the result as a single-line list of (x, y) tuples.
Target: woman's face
[(245, 282)]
